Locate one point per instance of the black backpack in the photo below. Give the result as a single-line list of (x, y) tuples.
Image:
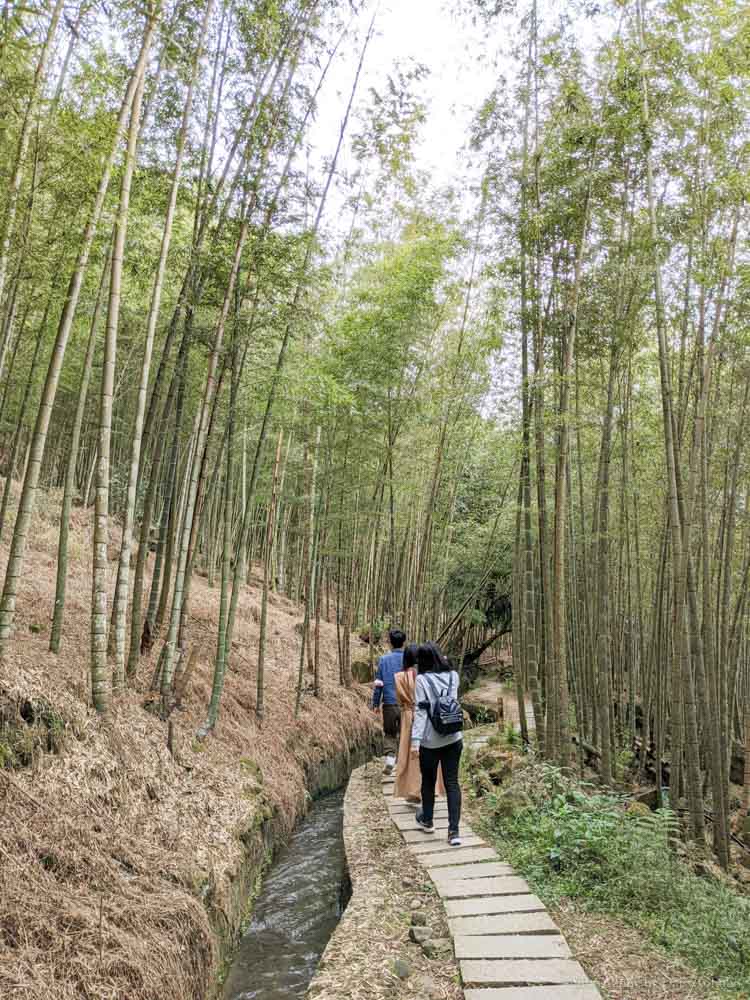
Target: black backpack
[(447, 717)]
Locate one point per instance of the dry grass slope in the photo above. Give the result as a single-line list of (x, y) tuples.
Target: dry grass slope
[(115, 856)]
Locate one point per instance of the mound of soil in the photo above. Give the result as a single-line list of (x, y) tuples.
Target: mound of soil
[(120, 860)]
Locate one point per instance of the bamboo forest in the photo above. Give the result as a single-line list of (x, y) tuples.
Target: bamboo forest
[(328, 326)]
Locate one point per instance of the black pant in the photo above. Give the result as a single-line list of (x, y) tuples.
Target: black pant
[(391, 728), (429, 761)]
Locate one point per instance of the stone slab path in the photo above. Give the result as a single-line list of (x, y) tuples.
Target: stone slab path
[(506, 944)]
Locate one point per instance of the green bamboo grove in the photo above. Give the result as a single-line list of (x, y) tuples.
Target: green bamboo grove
[(387, 400)]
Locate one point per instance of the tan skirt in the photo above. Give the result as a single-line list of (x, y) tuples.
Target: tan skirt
[(408, 776)]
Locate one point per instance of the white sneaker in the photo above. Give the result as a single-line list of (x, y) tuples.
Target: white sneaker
[(453, 839), (390, 763)]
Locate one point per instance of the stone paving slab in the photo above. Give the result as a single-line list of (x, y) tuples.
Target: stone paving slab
[(429, 845), (460, 856), (410, 823), (416, 836), (439, 838), (505, 923), (461, 888), (410, 814), (399, 812), (474, 906), (522, 972), (400, 804), (482, 869), (511, 946), (581, 992), (398, 807)]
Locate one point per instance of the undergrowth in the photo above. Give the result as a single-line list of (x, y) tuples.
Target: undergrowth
[(27, 730), (571, 841)]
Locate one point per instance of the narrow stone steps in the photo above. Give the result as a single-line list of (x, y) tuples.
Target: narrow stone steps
[(481, 869), (507, 945), (493, 905), (523, 972), (539, 922), (429, 845), (579, 992), (511, 946), (467, 888), (413, 835), (399, 808), (410, 823), (409, 815), (459, 855)]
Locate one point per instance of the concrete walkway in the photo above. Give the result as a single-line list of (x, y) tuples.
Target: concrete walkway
[(507, 945)]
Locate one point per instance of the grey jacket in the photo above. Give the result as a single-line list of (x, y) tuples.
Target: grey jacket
[(422, 731)]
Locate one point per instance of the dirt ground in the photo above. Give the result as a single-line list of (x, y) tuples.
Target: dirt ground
[(623, 962), (112, 849), (489, 692)]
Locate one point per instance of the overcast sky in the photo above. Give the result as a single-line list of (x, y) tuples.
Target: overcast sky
[(460, 77), (464, 62)]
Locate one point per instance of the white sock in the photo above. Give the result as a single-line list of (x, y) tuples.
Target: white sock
[(390, 760)]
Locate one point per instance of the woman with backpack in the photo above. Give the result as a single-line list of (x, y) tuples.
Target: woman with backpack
[(436, 736), (408, 778)]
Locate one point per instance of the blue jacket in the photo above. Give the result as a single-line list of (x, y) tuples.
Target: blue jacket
[(385, 684)]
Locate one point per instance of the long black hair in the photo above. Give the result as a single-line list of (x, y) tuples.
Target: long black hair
[(431, 659), (410, 656)]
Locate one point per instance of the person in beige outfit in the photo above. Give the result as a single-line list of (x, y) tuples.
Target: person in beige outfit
[(408, 775)]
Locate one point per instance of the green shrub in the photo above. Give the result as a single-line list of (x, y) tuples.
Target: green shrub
[(573, 843), (483, 715), (511, 736), (28, 729)]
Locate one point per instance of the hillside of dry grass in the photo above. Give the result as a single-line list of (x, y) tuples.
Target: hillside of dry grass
[(117, 856)]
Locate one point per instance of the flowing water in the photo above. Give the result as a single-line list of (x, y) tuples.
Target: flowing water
[(301, 902)]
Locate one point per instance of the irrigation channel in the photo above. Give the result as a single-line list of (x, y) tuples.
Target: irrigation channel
[(300, 903)]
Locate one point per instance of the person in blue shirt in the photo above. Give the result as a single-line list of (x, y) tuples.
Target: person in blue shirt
[(384, 693)]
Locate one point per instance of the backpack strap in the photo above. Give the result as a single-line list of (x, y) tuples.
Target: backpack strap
[(428, 678), (427, 705)]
